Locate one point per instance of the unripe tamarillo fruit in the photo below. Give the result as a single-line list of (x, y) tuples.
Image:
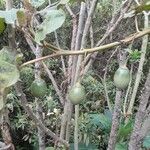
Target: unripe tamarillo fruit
[(38, 88), (76, 94), (122, 77)]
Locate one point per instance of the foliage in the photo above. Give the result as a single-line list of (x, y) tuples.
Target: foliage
[(94, 120), (52, 21)]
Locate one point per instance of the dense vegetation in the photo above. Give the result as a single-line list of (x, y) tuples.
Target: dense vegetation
[(75, 74)]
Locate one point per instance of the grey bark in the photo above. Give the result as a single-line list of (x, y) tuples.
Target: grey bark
[(115, 121), (137, 134)]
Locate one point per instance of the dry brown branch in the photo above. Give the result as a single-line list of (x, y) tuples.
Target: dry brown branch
[(100, 48)]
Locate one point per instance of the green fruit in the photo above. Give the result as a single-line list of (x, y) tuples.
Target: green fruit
[(2, 25), (122, 77), (76, 94), (38, 88)]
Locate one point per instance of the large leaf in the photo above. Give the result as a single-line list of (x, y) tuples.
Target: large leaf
[(7, 55), (8, 74), (53, 20), (146, 141), (9, 16)]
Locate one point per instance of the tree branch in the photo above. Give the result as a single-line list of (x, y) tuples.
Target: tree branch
[(115, 121), (96, 49), (140, 68), (111, 27), (54, 84), (137, 135)]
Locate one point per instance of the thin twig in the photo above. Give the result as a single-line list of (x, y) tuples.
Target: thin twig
[(111, 27), (62, 59), (104, 82), (127, 92), (91, 36), (84, 37), (50, 75), (78, 39)]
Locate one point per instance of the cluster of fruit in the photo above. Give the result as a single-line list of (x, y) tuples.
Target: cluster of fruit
[(77, 93)]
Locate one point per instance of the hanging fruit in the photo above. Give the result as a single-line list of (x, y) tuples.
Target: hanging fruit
[(122, 77), (38, 88), (77, 94)]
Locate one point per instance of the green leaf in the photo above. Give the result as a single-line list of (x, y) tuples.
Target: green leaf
[(121, 146), (101, 120), (9, 16), (7, 55), (9, 74), (125, 130), (146, 142), (53, 20)]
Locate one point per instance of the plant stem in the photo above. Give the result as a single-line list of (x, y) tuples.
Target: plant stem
[(140, 68), (39, 110), (136, 136), (76, 127), (115, 121)]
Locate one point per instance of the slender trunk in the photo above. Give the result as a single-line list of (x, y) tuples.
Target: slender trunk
[(39, 110), (115, 121), (140, 68), (76, 127), (137, 135), (41, 134)]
